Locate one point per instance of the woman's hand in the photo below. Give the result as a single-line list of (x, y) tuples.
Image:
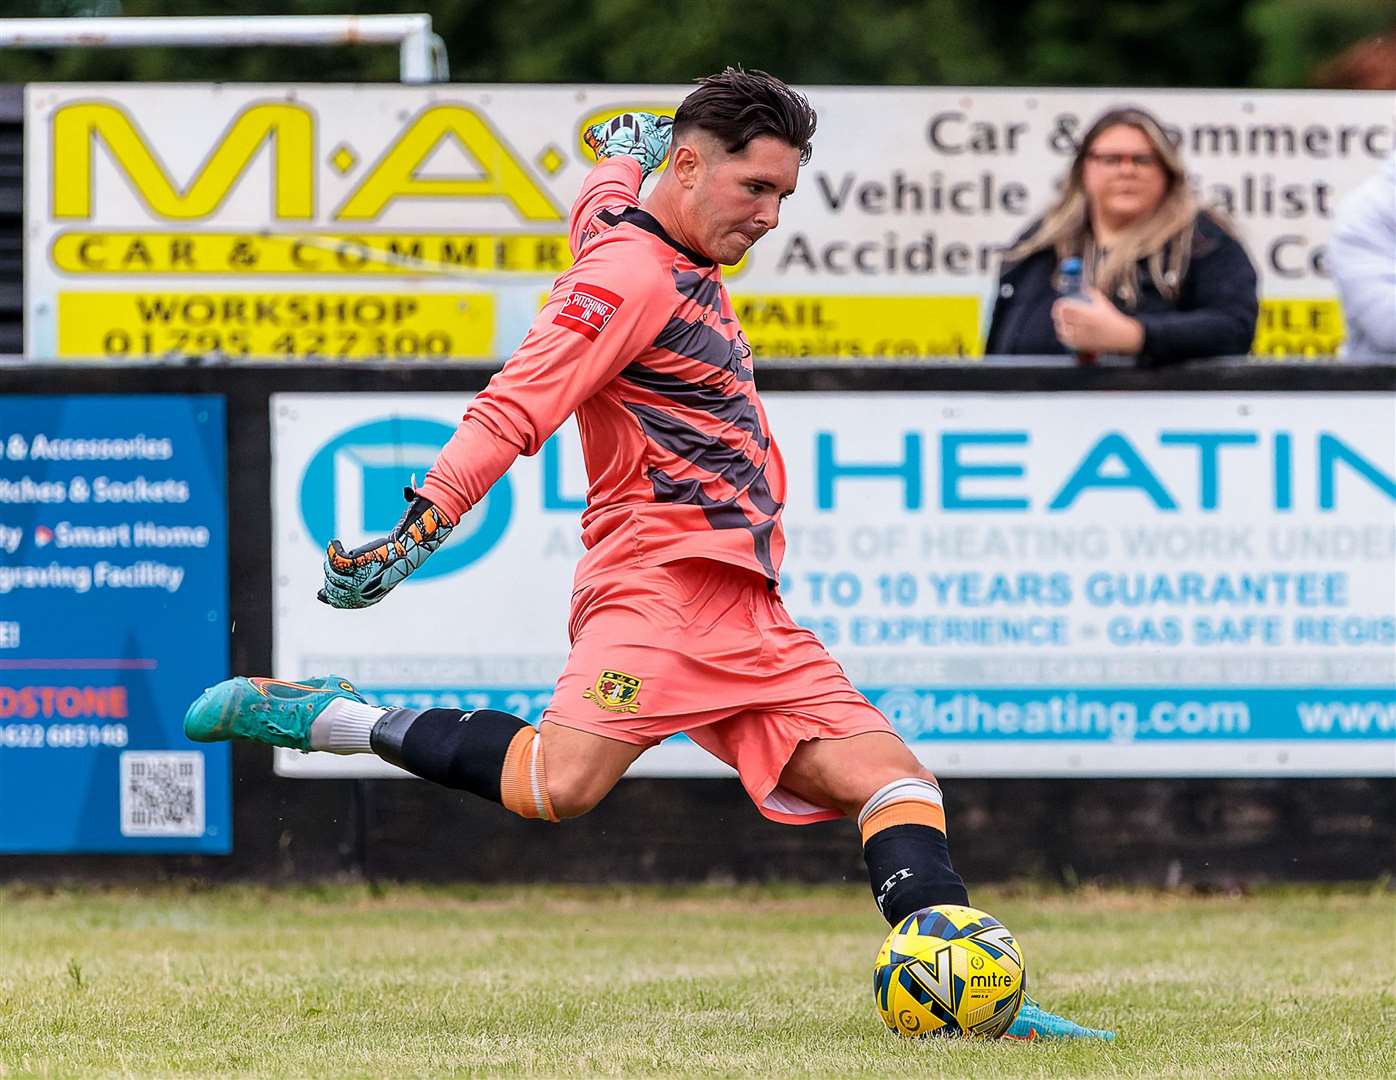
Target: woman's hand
[(1095, 325)]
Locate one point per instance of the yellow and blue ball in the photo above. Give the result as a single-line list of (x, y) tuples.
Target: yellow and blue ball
[(950, 971)]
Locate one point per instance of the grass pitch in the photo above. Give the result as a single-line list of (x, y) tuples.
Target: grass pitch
[(742, 981)]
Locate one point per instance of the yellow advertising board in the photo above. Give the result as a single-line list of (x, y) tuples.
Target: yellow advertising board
[(317, 255), (1299, 328), (860, 327), (448, 205), (276, 325)]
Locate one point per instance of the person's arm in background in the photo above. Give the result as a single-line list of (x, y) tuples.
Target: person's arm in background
[(1218, 307), (1362, 258)]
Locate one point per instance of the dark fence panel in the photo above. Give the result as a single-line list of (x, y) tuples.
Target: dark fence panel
[(1213, 832), (11, 219)]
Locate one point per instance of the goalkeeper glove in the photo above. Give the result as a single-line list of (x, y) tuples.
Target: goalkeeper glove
[(640, 135), (362, 577)]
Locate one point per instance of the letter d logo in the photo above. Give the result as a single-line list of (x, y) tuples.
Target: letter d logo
[(352, 489)]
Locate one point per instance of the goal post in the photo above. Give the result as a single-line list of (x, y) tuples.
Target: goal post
[(422, 53)]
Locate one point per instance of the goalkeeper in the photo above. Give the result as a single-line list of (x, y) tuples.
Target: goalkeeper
[(677, 624)]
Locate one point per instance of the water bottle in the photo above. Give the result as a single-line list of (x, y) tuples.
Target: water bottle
[(1069, 277), (1070, 285)]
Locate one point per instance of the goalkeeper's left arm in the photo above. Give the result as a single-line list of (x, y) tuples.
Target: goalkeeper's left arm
[(639, 135)]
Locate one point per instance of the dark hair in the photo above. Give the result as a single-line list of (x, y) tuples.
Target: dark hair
[(738, 106)]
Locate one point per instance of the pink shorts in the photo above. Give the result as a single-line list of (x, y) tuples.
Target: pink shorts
[(705, 648)]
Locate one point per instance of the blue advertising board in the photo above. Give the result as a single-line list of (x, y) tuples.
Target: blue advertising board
[(1094, 584), (113, 617)]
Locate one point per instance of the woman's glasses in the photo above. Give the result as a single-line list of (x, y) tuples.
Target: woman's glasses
[(1117, 161)]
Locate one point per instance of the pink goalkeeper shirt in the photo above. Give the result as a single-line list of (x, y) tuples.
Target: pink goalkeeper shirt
[(640, 340)]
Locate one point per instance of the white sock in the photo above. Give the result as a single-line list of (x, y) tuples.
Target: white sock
[(344, 727)]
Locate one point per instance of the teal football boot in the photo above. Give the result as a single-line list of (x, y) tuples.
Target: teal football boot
[(1035, 1022), (271, 711)]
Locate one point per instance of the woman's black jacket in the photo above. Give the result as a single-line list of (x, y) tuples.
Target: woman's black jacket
[(1214, 314)]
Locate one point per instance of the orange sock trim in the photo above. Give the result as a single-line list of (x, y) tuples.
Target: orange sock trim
[(523, 785), (909, 812)]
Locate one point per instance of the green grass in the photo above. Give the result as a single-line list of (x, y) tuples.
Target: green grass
[(718, 981)]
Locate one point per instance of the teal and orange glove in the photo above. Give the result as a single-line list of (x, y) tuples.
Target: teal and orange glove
[(362, 577), (640, 135)]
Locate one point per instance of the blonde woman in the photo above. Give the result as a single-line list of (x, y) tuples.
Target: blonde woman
[(1163, 279)]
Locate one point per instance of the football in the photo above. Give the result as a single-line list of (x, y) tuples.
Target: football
[(951, 971)]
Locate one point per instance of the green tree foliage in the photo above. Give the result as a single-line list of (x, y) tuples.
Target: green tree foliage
[(1159, 43), (810, 41), (1183, 43), (1295, 35)]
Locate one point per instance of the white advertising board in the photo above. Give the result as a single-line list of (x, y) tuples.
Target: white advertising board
[(296, 221), (1053, 584)]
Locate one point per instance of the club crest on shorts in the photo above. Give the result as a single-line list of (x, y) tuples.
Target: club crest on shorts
[(615, 691)]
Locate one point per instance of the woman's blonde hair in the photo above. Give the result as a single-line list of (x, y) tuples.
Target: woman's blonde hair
[(1164, 238)]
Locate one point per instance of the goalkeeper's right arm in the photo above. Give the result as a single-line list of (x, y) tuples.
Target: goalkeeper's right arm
[(363, 576), (562, 361), (601, 314)]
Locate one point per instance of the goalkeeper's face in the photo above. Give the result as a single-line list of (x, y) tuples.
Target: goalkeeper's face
[(735, 199)]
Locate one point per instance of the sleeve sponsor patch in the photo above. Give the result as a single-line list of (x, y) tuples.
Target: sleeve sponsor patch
[(588, 309)]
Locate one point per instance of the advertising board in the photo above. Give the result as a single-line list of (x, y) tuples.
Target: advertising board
[(113, 617), (1053, 584), (353, 222)]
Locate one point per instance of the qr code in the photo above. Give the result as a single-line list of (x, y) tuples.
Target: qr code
[(162, 793)]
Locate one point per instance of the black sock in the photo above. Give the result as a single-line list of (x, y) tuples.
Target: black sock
[(462, 750), (909, 869)]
